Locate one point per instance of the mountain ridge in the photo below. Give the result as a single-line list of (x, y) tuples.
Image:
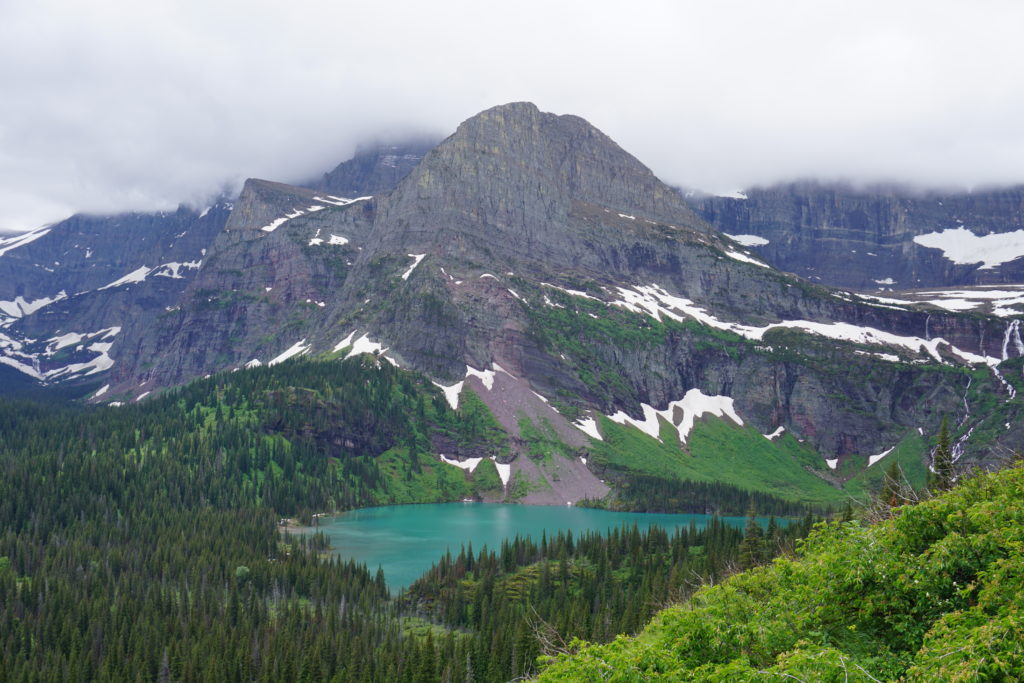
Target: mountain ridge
[(531, 260)]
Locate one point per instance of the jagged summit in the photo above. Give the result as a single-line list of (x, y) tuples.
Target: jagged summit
[(533, 166), (527, 255)]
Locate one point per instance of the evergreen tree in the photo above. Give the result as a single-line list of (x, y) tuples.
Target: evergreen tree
[(752, 546), (942, 461)]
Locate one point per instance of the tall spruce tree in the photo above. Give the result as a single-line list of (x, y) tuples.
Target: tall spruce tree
[(942, 461)]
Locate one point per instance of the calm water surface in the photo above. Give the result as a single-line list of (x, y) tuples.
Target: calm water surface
[(405, 540)]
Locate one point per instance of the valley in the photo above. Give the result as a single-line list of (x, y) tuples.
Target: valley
[(518, 331)]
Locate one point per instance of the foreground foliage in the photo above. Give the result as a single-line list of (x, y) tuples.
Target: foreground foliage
[(935, 593)]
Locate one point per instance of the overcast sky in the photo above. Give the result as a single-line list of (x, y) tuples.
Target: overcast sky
[(142, 104)]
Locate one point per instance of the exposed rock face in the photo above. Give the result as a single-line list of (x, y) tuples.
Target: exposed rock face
[(864, 238), (374, 169), (263, 201), (95, 277), (463, 262)]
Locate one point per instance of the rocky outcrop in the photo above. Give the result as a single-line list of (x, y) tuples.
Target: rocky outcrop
[(863, 238), (533, 243), (375, 168)]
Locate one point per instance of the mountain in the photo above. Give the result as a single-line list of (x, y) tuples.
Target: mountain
[(613, 333), (374, 168), (880, 237), (68, 290)]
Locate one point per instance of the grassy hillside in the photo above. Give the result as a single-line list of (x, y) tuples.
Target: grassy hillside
[(934, 593), (720, 451)]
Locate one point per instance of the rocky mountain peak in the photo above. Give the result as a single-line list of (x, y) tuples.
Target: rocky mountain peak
[(510, 177)]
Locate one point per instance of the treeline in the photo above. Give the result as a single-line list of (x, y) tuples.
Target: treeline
[(930, 592), (533, 597), (647, 493), (141, 543)]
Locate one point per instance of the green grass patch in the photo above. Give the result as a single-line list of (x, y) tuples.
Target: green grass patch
[(720, 451)]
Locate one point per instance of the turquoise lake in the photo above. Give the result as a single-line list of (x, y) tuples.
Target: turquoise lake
[(405, 540)]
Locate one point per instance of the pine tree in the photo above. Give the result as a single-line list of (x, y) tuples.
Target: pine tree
[(890, 494), (751, 549), (942, 461)]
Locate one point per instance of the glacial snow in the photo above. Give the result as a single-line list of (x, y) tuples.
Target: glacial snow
[(21, 307), (137, 275), (469, 464), (872, 459), (295, 349), (416, 261), (654, 301), (451, 394), (680, 414), (747, 240), (963, 247), (588, 426), (9, 243)]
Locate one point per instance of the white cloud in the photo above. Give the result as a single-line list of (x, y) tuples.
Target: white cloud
[(114, 105)]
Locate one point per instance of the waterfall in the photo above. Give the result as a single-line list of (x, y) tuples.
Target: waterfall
[(1012, 334)]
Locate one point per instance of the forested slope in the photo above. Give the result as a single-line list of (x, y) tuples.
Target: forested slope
[(142, 542), (934, 593)]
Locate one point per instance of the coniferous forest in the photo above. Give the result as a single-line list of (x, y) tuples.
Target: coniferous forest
[(142, 542)]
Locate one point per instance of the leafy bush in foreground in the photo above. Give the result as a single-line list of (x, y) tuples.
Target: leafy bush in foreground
[(935, 593)]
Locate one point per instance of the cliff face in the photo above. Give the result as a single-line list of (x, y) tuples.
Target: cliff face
[(534, 250), (471, 259), (865, 238), (69, 292), (374, 169)]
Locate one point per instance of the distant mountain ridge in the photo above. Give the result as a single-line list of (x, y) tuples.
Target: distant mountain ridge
[(529, 260), (881, 237)]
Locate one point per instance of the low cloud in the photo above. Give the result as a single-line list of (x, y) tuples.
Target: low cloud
[(112, 105)]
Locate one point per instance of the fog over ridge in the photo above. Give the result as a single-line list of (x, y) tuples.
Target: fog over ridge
[(118, 106)]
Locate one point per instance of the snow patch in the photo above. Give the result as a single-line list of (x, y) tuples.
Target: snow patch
[(486, 376), (738, 256), (416, 261), (173, 269), (338, 240), (141, 396), (504, 471), (832, 463), (137, 275), (680, 414), (656, 302), (747, 240), (872, 459), (341, 201), (254, 363), (363, 345), (572, 292), (21, 307), (963, 247), (278, 222), (588, 426), (295, 349), (469, 464), (886, 281), (347, 341), (21, 240), (102, 390), (451, 394), (776, 434)]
